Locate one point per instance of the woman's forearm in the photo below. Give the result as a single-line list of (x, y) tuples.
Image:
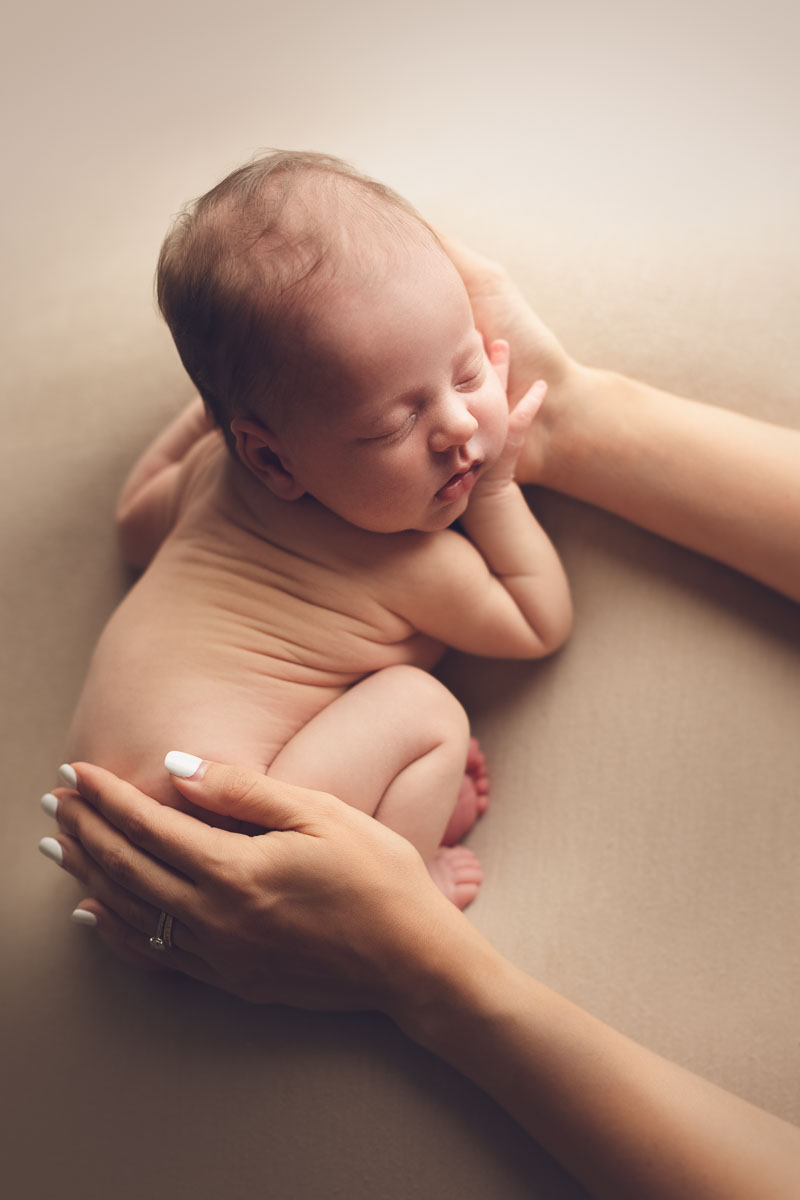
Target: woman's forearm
[(725, 485), (718, 482), (622, 1120)]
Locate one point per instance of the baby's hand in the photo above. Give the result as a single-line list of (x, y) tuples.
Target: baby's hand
[(520, 419)]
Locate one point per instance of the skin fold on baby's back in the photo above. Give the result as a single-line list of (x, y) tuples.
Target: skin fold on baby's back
[(254, 615)]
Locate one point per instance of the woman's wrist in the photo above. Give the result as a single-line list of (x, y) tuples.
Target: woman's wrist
[(450, 988), (572, 427)]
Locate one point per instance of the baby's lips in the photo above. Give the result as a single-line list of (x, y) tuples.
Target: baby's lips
[(466, 479)]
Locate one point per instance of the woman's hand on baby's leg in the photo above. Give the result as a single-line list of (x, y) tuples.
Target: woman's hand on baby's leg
[(279, 917)]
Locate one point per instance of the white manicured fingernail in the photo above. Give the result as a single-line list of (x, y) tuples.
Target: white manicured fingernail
[(182, 765), (50, 848), (49, 803), (67, 776), (82, 916)]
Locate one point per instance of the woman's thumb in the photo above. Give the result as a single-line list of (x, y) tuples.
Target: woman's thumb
[(243, 794)]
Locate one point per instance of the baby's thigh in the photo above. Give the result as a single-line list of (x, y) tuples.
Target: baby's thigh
[(357, 745), (220, 732)]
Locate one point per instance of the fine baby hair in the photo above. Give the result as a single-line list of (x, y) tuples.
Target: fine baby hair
[(242, 268)]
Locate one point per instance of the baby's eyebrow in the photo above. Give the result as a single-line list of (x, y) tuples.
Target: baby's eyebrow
[(406, 397), (475, 346), (476, 350)]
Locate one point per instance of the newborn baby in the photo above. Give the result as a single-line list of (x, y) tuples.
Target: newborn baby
[(301, 577)]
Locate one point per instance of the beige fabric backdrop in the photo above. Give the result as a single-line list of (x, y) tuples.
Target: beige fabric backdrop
[(636, 166)]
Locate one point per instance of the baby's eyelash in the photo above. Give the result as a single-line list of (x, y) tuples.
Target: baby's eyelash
[(475, 378), (400, 433)]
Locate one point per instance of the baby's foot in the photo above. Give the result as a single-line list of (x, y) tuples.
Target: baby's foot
[(473, 796), (457, 872)]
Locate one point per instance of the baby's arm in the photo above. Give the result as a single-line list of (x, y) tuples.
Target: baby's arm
[(511, 541), (146, 505), (501, 591)]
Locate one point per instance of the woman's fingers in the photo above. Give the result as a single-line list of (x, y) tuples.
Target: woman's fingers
[(178, 839), (129, 881), (248, 795), (133, 946), (119, 936), (163, 833), (124, 921), (136, 912)]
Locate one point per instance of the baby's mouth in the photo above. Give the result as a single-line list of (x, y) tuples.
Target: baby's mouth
[(460, 484)]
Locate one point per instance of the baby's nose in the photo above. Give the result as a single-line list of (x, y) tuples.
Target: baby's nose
[(455, 427)]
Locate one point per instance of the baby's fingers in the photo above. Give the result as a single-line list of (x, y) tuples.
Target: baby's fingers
[(524, 413), (500, 357)]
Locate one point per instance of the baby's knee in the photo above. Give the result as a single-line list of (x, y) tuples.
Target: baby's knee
[(431, 703)]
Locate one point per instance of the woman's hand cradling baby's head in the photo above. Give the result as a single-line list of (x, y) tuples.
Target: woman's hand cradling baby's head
[(502, 311)]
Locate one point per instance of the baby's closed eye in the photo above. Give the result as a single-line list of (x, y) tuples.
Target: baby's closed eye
[(402, 431), (473, 377), (395, 434)]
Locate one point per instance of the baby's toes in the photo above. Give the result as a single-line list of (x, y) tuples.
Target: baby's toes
[(458, 873)]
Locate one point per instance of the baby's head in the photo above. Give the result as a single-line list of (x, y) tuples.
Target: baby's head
[(300, 295), (244, 269)]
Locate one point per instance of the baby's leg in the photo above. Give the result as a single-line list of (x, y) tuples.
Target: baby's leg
[(395, 745)]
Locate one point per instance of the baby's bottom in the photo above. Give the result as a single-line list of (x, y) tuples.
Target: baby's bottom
[(396, 746)]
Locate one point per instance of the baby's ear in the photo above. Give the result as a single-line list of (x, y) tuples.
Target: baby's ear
[(259, 449)]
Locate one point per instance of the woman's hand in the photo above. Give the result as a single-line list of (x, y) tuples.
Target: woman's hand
[(332, 910), (329, 910), (502, 312)]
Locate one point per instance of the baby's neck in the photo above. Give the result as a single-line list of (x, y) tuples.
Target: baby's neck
[(255, 508), (251, 499)]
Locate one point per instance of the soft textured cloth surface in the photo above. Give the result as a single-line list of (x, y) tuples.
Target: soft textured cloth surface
[(636, 167)]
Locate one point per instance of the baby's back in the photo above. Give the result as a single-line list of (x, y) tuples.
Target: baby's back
[(253, 616)]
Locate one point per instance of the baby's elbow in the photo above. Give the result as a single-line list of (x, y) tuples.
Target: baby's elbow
[(556, 630)]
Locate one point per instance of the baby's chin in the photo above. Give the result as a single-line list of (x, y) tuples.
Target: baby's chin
[(445, 518), (439, 517)]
